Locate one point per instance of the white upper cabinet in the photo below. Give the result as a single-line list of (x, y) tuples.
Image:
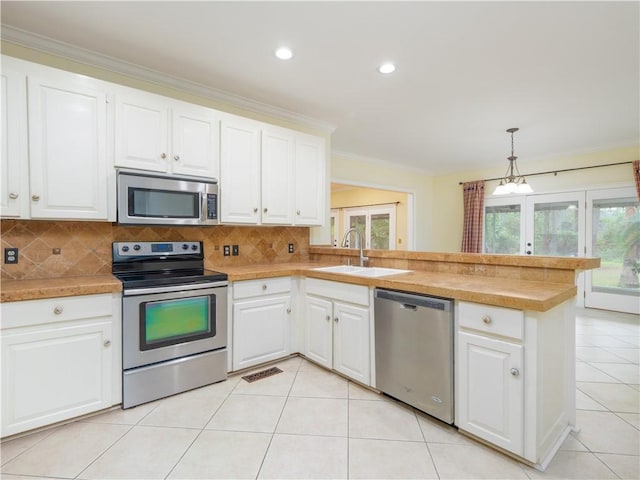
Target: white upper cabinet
[(55, 146), (271, 175), (277, 175), (310, 168), (67, 147), (160, 134), (240, 170), (196, 140), (14, 188), (142, 135)]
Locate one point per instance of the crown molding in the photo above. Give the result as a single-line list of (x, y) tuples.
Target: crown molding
[(94, 59)]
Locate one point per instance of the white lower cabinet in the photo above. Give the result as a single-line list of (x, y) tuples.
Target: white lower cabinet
[(60, 359), (337, 327), (262, 317), (491, 390), (515, 377)]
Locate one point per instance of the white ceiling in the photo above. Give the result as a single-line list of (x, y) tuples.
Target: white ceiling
[(566, 73)]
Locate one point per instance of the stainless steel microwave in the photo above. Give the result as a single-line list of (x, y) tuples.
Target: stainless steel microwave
[(147, 198)]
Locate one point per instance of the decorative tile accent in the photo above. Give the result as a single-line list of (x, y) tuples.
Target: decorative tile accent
[(85, 247)]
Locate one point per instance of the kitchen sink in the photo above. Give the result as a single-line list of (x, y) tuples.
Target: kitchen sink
[(361, 271)]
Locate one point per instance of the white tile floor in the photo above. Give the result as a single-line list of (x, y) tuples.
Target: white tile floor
[(309, 423)]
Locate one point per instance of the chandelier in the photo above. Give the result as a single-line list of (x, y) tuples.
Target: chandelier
[(512, 182)]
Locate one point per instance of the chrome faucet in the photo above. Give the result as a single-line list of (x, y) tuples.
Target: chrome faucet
[(358, 244)]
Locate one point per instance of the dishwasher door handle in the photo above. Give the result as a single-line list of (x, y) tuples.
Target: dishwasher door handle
[(407, 306)]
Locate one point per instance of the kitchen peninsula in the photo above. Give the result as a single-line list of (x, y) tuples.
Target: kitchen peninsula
[(514, 330)]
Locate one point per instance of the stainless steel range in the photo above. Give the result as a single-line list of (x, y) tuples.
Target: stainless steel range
[(174, 319)]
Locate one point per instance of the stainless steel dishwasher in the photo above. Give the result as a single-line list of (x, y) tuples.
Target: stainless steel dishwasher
[(414, 350)]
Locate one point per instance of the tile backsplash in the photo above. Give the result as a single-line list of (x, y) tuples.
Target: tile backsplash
[(85, 247)]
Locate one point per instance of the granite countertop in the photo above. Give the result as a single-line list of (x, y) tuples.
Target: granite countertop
[(32, 289), (503, 292)]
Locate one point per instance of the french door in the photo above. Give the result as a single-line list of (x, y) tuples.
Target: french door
[(554, 224), (547, 224), (377, 225), (613, 230), (596, 223)]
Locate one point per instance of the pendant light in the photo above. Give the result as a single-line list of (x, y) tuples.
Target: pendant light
[(512, 182)]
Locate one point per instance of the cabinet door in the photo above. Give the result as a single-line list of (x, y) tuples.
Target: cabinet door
[(260, 331), (310, 180), (53, 374), (67, 148), (490, 390), (351, 347), (319, 331), (277, 176), (239, 171), (142, 136), (13, 187), (196, 136)]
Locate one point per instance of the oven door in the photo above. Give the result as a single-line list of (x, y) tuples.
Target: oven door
[(160, 325)]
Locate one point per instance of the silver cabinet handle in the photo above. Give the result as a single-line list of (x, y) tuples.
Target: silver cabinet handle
[(297, 212), (328, 318), (264, 286), (335, 319), (176, 157), (486, 319), (515, 372), (163, 156), (58, 310), (13, 195), (265, 210), (288, 310), (35, 198), (107, 343), (255, 210)]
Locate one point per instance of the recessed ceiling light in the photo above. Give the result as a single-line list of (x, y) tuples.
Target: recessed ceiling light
[(284, 53), (387, 68)]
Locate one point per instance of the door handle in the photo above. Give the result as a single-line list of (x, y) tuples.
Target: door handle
[(407, 306)]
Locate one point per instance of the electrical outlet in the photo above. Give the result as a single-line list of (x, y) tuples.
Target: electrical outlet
[(235, 250), (291, 248), (10, 255), (226, 250)]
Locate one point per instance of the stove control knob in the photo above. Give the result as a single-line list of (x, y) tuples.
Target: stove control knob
[(136, 247), (125, 248), (185, 246), (194, 247)]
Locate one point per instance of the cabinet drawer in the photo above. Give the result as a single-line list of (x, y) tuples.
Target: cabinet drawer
[(264, 286), (51, 310), (506, 322), (345, 292)]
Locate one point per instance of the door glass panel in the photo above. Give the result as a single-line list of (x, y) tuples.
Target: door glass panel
[(556, 229), (616, 240), (502, 229), (380, 231), (359, 222)]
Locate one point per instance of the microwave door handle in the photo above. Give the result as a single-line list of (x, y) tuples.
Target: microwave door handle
[(203, 207)]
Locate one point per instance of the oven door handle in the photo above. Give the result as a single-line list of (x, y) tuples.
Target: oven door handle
[(173, 288)]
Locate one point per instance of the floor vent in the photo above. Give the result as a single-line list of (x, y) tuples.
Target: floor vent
[(262, 374)]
